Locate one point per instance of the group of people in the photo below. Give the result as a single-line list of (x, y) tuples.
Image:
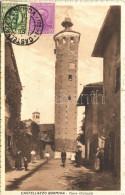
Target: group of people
[(19, 158), (18, 161), (75, 158)]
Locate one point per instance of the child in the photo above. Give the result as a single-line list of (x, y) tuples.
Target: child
[(25, 163), (47, 155)]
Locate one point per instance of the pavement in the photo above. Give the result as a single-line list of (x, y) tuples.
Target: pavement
[(53, 176), (13, 177)]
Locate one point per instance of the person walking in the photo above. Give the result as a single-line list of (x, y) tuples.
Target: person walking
[(63, 157), (47, 155), (73, 157), (78, 158), (25, 163), (32, 155)]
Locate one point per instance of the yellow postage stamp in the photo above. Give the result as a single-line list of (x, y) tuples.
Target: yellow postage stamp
[(62, 97)]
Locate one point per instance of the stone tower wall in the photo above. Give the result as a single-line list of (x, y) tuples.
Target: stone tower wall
[(66, 91)]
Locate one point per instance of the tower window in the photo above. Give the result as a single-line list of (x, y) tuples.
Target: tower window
[(9, 141), (117, 78), (72, 39), (70, 77), (57, 42), (69, 97), (64, 40), (37, 117)]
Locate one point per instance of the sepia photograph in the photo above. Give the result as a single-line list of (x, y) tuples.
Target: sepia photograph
[(62, 67)]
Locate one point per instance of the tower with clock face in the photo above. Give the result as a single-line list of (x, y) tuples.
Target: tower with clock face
[(66, 66)]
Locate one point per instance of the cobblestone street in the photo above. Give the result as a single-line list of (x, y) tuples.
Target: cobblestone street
[(53, 176)]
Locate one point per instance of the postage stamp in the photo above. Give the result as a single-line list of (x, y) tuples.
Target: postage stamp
[(47, 11), (5, 7), (18, 22), (62, 89)]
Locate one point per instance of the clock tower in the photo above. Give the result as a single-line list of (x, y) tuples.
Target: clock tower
[(66, 68)]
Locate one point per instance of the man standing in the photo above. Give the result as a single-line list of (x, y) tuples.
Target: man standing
[(63, 156), (18, 161)]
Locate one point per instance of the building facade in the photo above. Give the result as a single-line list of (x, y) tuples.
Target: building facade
[(12, 105), (93, 100), (108, 47), (47, 139), (66, 43)]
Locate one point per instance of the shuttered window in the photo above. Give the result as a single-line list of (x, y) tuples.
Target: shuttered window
[(117, 78)]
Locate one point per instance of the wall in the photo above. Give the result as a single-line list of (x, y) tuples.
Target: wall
[(93, 124), (12, 105), (112, 106), (66, 110)]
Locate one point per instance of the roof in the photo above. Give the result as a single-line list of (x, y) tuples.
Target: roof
[(67, 24), (110, 25), (27, 120), (36, 112), (46, 127), (87, 90), (7, 42), (93, 85), (65, 30)]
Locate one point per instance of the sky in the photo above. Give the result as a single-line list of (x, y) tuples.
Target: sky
[(36, 62)]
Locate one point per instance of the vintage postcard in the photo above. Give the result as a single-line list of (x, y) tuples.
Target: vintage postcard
[(62, 97)]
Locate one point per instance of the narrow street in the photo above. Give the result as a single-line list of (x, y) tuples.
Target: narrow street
[(53, 176)]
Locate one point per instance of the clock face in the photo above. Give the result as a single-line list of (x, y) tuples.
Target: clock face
[(71, 66)]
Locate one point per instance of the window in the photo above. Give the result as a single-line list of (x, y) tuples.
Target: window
[(117, 78), (57, 42), (9, 141), (69, 97), (72, 39), (64, 40), (118, 44), (70, 77)]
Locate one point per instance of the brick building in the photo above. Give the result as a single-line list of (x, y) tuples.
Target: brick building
[(66, 43), (93, 100), (107, 47), (12, 105)]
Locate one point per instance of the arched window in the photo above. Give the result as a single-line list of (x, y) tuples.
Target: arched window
[(72, 39), (64, 40), (70, 77), (57, 42)]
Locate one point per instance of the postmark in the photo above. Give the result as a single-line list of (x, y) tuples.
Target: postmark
[(17, 24), (47, 11)]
